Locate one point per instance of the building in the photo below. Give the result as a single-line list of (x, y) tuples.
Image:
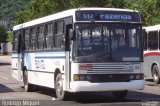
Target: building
[(4, 23)]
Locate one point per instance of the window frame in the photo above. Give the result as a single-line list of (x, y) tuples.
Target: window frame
[(152, 39), (58, 37), (15, 42)]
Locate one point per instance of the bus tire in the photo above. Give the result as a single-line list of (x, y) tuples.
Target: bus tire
[(119, 94), (60, 93), (27, 87), (155, 74)]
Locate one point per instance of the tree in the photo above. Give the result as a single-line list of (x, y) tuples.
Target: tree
[(3, 34), (8, 9), (149, 9)]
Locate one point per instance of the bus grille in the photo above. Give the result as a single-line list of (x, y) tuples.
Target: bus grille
[(106, 68)]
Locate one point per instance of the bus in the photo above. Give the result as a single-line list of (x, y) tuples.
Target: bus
[(151, 36), (81, 50)]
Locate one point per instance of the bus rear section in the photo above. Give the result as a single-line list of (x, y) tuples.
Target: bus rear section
[(151, 53)]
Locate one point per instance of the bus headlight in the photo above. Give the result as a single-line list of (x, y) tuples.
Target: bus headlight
[(82, 77), (136, 77), (76, 77)]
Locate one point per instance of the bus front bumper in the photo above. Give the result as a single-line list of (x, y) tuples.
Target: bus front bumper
[(85, 86)]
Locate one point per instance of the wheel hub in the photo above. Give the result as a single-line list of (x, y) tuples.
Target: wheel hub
[(59, 87)]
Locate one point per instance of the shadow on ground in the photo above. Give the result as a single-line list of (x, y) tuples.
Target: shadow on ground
[(4, 89), (2, 64), (88, 98)]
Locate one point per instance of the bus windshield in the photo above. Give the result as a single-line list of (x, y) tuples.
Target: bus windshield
[(108, 42)]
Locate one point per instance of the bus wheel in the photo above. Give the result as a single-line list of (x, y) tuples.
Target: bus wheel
[(119, 94), (28, 87), (60, 93), (155, 73)]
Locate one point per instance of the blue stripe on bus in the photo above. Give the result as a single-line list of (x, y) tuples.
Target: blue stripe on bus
[(14, 57), (49, 53), (50, 57)]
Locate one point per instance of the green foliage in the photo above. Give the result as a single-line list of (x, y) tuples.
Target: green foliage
[(149, 9), (3, 34), (9, 8), (2, 30), (9, 37), (86, 3)]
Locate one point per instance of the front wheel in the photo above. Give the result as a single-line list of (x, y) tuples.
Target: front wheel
[(119, 94), (155, 73), (60, 93)]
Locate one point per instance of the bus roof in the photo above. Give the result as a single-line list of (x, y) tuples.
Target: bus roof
[(152, 28), (66, 13)]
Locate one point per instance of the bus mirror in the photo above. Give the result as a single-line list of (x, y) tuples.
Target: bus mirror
[(71, 34)]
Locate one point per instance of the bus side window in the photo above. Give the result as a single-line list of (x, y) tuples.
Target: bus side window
[(144, 39), (69, 32), (15, 41), (59, 34), (33, 38), (27, 44), (40, 37), (48, 36), (153, 40), (159, 39)]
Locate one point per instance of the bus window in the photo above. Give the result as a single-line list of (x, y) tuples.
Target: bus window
[(118, 36), (33, 38), (27, 39), (144, 40), (15, 41), (40, 41), (159, 38), (48, 38), (58, 36), (153, 40)]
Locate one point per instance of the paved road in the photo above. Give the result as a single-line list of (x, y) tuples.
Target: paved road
[(11, 91)]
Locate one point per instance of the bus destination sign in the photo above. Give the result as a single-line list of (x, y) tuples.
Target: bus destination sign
[(107, 16), (115, 17)]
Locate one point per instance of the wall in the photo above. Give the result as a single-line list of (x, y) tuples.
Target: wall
[(6, 48)]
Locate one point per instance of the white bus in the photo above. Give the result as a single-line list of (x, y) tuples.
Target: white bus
[(151, 36), (81, 50)]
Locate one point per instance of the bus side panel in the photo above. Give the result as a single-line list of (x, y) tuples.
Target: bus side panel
[(14, 66), (149, 60), (29, 64), (41, 67), (147, 66)]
